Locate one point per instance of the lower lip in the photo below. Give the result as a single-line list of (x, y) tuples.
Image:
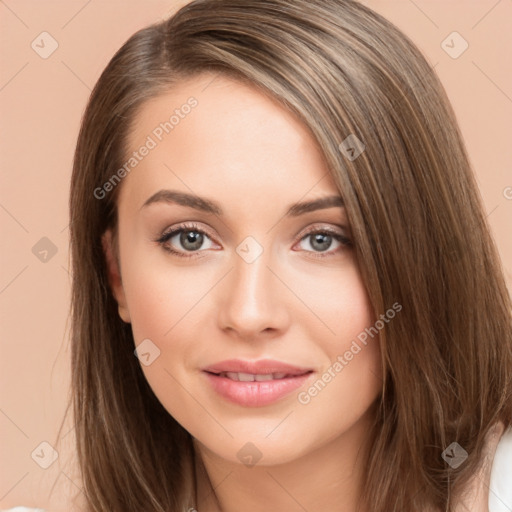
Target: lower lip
[(255, 394)]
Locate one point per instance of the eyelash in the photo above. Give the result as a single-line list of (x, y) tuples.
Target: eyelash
[(167, 235)]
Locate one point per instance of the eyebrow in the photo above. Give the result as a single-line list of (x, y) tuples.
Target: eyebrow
[(209, 206)]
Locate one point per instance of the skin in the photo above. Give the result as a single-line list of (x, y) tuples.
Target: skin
[(245, 152)]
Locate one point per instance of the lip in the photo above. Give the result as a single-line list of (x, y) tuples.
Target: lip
[(256, 393)]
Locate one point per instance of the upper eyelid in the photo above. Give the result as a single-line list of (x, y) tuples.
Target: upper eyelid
[(185, 227), (191, 226), (327, 229)]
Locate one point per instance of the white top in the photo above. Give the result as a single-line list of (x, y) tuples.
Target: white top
[(500, 489)]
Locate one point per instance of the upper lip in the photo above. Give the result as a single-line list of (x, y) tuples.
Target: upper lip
[(261, 367)]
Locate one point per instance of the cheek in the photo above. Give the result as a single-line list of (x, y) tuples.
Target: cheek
[(350, 379), (338, 304), (165, 307), (344, 328), (162, 299), (169, 305)]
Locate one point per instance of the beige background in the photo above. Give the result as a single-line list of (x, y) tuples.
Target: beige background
[(41, 102)]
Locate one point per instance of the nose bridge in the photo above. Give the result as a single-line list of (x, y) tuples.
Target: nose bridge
[(251, 279), (251, 302)]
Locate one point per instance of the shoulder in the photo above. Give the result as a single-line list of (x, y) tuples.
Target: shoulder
[(500, 488)]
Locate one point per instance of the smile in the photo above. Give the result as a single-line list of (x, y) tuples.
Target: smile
[(255, 384)]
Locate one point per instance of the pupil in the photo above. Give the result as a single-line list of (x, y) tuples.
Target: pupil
[(321, 241), (191, 240)]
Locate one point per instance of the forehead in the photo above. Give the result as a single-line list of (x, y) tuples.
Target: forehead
[(212, 134)]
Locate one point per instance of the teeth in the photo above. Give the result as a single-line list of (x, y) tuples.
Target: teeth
[(261, 378), (250, 377)]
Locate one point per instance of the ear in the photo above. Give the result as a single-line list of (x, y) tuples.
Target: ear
[(114, 274)]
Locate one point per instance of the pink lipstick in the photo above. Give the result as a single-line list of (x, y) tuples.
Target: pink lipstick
[(255, 383)]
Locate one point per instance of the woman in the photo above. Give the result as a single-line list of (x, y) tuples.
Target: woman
[(271, 203)]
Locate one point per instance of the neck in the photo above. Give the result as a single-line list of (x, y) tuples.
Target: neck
[(328, 478)]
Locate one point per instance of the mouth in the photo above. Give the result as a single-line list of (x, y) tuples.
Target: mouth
[(255, 384), (254, 377)]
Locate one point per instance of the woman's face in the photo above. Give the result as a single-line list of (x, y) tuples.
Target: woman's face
[(243, 295)]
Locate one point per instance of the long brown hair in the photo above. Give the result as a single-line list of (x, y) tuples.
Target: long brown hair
[(419, 228)]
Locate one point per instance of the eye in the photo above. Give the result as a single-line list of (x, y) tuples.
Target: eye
[(321, 242), (186, 238)]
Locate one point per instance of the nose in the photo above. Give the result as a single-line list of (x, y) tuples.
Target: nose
[(252, 301)]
